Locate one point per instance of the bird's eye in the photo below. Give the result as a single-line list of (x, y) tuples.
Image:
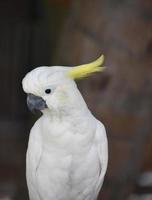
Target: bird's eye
[(48, 91)]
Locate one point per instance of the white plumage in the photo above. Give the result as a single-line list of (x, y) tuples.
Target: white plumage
[(67, 151)]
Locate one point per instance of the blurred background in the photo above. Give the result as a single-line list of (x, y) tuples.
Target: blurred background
[(72, 32)]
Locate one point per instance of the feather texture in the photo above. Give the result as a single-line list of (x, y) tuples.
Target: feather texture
[(67, 151), (85, 70)]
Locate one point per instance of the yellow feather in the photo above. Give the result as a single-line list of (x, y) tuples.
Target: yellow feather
[(86, 69)]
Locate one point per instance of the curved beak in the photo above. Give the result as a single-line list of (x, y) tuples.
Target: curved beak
[(35, 103)]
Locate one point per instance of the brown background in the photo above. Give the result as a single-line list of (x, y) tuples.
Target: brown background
[(35, 33)]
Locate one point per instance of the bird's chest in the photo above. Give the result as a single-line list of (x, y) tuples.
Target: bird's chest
[(65, 137), (71, 172), (59, 157)]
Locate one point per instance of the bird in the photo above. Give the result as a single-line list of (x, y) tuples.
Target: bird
[(67, 151)]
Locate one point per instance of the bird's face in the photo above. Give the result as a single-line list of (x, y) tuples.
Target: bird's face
[(48, 88)]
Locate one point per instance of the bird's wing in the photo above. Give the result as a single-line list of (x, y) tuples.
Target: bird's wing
[(33, 158), (102, 148)]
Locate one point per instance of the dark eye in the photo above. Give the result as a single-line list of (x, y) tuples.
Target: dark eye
[(48, 91)]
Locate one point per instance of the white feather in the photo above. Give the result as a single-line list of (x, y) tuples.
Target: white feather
[(67, 151)]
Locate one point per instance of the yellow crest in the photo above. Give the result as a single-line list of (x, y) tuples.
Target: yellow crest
[(86, 69)]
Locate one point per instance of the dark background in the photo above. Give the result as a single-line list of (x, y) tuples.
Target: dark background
[(68, 32)]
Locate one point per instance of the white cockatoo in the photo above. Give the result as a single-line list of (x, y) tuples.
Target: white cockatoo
[(67, 150)]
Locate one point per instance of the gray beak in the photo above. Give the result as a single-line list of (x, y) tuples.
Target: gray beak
[(35, 103)]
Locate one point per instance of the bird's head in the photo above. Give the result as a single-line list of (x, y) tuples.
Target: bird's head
[(54, 88)]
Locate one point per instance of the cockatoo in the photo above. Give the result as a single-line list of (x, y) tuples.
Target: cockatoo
[(67, 151)]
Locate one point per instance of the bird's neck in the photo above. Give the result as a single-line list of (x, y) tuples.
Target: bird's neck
[(76, 113)]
